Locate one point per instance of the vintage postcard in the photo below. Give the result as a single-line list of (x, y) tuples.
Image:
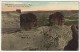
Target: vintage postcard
[(40, 26)]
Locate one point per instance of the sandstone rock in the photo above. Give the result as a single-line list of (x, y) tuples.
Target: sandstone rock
[(56, 19), (41, 38), (10, 22), (28, 21)]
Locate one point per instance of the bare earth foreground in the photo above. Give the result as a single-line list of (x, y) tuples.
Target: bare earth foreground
[(41, 38)]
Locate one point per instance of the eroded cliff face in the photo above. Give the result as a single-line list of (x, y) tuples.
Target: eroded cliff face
[(10, 22), (41, 38)]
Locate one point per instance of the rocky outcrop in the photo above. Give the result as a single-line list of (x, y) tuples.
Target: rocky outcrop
[(10, 21), (56, 19), (42, 38), (28, 21), (73, 44)]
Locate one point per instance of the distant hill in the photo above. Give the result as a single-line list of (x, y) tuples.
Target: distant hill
[(64, 12)]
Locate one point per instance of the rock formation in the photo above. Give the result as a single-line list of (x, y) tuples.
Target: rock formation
[(73, 44), (18, 10), (41, 38), (56, 19), (28, 21)]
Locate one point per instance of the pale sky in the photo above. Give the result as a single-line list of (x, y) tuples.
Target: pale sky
[(34, 6)]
